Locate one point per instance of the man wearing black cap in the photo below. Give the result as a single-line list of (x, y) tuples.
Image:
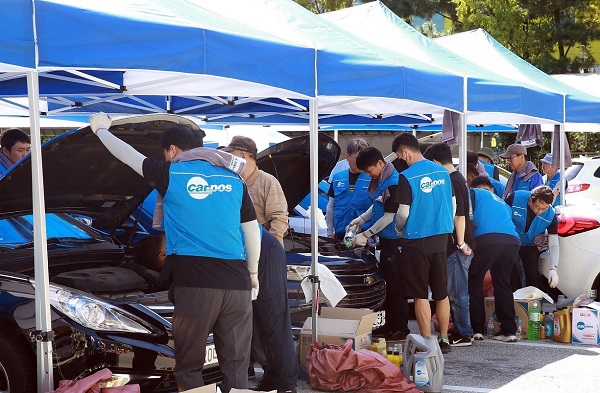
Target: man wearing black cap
[(525, 175), (264, 189)]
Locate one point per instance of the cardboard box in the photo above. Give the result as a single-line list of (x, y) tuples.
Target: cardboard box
[(212, 388), (336, 325), (522, 307), (584, 329)]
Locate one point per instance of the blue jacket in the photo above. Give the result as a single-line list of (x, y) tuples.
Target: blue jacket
[(202, 211), (349, 205), (491, 214), (431, 208), (519, 217)]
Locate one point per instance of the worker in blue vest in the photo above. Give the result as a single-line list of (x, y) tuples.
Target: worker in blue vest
[(497, 250), (348, 193), (486, 158), (474, 160), (381, 214), (212, 247), (553, 178), (525, 175), (534, 217), (425, 219)]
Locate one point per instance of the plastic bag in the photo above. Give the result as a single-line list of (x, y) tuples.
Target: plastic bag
[(340, 368)]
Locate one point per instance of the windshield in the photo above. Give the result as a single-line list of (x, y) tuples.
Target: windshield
[(571, 172), (16, 231)]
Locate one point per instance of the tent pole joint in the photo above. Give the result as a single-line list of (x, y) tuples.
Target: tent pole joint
[(38, 335)]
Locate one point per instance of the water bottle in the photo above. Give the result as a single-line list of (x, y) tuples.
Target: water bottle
[(490, 328), (373, 241), (533, 327), (519, 333), (350, 235)]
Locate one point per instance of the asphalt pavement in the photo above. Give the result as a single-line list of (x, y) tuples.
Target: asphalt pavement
[(525, 366)]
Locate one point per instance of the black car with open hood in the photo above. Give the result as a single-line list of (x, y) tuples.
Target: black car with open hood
[(90, 197)]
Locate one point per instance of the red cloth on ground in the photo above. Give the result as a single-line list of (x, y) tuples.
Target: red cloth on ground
[(91, 384), (340, 368)]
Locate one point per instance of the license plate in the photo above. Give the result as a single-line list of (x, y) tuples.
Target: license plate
[(211, 355), (380, 320)]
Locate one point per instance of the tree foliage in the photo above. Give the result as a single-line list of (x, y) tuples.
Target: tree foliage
[(321, 6), (546, 33)]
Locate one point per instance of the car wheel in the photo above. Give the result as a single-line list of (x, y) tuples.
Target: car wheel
[(17, 367)]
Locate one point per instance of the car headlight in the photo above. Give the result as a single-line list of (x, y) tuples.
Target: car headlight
[(93, 313), (297, 272)]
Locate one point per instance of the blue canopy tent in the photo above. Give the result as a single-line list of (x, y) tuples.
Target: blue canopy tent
[(482, 49), (98, 42)]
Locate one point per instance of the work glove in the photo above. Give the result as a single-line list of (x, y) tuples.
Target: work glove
[(357, 222), (552, 278), (100, 121), (254, 282), (360, 240)]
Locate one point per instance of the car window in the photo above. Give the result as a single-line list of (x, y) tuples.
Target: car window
[(19, 230), (597, 172), (571, 172)]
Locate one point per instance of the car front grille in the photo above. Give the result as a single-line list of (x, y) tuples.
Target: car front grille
[(364, 296)]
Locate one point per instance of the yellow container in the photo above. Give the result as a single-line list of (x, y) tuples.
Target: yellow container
[(562, 325), (378, 345)]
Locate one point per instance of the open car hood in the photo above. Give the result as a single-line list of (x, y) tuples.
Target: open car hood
[(81, 176), (289, 162)]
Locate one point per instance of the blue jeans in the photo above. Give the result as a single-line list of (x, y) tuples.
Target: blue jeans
[(458, 292)]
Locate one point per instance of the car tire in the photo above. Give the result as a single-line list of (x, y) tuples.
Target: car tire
[(17, 367)]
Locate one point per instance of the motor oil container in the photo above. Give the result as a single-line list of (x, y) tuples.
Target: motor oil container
[(423, 362), (562, 325), (378, 345)]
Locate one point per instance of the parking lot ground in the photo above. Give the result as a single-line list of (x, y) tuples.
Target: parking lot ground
[(491, 366)]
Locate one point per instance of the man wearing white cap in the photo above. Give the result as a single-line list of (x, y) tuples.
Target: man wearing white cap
[(525, 175), (552, 177)]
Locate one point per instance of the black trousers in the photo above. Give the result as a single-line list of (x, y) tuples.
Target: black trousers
[(272, 322), (396, 303), (499, 259)]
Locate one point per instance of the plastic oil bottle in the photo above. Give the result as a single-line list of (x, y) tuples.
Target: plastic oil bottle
[(424, 362), (562, 325)]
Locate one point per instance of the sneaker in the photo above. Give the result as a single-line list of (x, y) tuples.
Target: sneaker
[(478, 337), (456, 340), (508, 338), (397, 335), (444, 345), (267, 387)]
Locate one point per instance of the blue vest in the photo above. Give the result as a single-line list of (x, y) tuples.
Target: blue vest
[(431, 208), (552, 184), (491, 215), (349, 205), (202, 211), (519, 217), (498, 187), (389, 232), (489, 168)]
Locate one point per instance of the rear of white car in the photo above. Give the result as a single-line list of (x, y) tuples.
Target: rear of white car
[(584, 181), (579, 241)]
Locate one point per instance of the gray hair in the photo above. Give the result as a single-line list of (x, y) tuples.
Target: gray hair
[(355, 145)]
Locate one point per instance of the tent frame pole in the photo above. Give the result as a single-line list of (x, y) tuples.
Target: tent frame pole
[(314, 203), (43, 334)]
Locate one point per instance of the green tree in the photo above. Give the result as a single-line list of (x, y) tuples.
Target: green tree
[(321, 6), (546, 33)]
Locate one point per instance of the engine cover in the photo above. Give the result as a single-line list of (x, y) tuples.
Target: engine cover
[(102, 279)]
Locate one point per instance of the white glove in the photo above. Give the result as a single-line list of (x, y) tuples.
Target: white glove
[(254, 281), (100, 121), (552, 278), (360, 240), (357, 222)]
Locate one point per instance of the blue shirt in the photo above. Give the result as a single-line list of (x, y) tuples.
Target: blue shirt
[(349, 204), (519, 217), (491, 214)]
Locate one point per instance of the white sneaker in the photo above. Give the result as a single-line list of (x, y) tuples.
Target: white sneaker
[(511, 338), (478, 337)]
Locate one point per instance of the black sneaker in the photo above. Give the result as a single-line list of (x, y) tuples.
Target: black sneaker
[(397, 335), (267, 387), (456, 340), (444, 345)]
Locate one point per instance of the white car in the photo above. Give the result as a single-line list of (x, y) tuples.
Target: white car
[(579, 263), (584, 181)]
